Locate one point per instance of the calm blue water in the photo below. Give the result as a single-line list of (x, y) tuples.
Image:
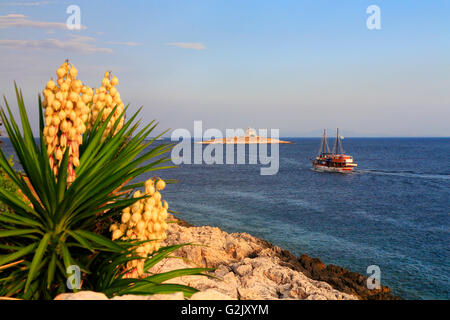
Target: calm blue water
[(392, 212)]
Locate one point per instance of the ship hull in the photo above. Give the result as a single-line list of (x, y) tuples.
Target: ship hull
[(333, 169)]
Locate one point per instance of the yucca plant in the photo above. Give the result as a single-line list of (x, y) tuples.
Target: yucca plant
[(51, 227)]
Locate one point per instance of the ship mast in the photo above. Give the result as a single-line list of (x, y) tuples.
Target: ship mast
[(324, 149), (337, 148)]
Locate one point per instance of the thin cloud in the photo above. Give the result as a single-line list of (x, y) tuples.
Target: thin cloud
[(76, 37), (22, 21), (125, 43), (187, 45), (74, 43), (27, 4)]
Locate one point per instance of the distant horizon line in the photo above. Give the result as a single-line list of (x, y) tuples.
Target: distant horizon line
[(330, 137), (365, 137)]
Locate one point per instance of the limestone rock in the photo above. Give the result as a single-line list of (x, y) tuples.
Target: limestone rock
[(249, 268), (82, 295), (173, 296), (210, 294)]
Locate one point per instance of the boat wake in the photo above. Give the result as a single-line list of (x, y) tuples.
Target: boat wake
[(406, 174)]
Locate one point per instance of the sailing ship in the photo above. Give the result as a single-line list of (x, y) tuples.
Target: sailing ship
[(335, 161)]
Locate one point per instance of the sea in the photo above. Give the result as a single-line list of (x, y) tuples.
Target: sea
[(392, 212)]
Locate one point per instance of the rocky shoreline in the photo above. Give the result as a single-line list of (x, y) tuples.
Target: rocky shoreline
[(236, 252), (249, 268)]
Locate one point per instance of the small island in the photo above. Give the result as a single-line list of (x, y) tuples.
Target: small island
[(250, 137)]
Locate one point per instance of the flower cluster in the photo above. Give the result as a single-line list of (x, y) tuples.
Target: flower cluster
[(107, 97), (66, 115), (144, 220)]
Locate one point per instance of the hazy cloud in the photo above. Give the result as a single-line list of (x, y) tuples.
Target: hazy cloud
[(22, 21), (74, 43), (187, 45), (27, 4), (79, 38), (125, 43)]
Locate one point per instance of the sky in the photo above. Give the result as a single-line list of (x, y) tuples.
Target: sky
[(297, 66)]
